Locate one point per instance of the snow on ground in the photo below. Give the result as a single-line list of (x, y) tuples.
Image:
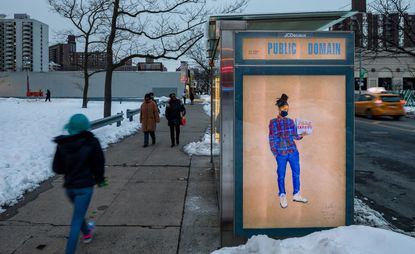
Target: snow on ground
[(410, 110), (205, 97), (202, 147), (373, 235), (364, 215), (206, 104), (343, 240), (27, 130), (163, 99)]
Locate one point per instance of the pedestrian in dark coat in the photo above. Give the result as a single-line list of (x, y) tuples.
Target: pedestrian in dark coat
[(80, 159), (174, 112), (192, 97), (149, 117), (47, 95)]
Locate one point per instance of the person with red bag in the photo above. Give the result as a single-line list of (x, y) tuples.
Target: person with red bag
[(175, 114)]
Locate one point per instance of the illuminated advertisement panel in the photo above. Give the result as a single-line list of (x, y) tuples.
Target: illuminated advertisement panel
[(293, 144)]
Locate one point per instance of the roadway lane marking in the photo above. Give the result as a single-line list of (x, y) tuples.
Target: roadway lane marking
[(386, 126)]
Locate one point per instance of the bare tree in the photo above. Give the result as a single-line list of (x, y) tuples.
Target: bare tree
[(87, 16), (197, 54), (155, 29), (394, 14)]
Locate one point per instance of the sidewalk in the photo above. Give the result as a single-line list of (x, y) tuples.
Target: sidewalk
[(159, 200)]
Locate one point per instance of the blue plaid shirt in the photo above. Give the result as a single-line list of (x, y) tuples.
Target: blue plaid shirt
[(282, 133)]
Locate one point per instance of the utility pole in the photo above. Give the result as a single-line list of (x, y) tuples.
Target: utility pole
[(359, 28)]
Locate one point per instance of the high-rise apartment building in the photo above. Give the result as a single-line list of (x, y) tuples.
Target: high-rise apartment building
[(378, 30), (63, 54), (66, 58), (24, 44)]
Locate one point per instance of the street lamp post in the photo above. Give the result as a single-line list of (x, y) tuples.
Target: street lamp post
[(360, 52), (26, 63)]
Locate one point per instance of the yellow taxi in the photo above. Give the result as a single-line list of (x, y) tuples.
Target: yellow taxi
[(379, 103)]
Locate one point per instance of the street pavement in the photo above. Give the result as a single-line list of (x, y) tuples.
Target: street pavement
[(159, 200), (385, 168)]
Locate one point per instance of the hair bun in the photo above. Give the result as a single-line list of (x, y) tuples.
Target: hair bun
[(282, 101)]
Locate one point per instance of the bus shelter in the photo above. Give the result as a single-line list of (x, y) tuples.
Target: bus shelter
[(255, 60)]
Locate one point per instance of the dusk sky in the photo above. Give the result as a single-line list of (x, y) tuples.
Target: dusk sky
[(40, 10)]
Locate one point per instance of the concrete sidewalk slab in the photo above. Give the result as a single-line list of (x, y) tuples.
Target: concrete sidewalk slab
[(146, 204), (160, 174), (15, 235), (106, 240)]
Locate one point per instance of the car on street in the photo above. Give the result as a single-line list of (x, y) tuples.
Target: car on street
[(379, 104)]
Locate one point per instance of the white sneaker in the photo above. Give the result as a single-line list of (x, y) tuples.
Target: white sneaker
[(298, 198), (283, 201)]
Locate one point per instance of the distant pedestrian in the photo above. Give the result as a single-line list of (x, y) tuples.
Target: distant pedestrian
[(184, 97), (192, 97), (175, 110), (47, 95), (80, 159), (149, 117)]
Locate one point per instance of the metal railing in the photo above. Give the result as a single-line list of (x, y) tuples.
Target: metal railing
[(409, 97), (131, 113), (118, 118)]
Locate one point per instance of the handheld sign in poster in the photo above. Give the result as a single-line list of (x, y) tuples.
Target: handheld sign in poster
[(294, 132)]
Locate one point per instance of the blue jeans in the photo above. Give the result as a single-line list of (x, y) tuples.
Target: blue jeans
[(80, 198), (294, 160)]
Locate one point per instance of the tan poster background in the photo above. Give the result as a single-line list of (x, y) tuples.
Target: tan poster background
[(320, 99)]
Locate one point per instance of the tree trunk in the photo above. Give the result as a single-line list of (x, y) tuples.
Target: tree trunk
[(86, 75), (85, 94), (110, 65), (108, 92)]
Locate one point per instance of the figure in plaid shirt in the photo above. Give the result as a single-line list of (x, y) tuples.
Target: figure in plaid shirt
[(282, 133)]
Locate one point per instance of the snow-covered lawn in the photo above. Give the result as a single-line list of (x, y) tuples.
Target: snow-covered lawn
[(27, 130), (343, 240)]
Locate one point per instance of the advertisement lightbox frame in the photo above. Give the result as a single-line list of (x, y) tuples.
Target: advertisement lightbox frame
[(292, 67)]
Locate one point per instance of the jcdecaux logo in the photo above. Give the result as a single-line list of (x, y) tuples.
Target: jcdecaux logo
[(295, 35)]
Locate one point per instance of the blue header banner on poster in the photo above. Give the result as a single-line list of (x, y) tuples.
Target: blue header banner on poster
[(333, 48), (294, 158)]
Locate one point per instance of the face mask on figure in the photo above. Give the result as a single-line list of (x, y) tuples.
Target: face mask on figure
[(283, 105)]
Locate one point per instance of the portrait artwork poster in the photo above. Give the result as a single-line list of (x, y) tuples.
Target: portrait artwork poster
[(317, 104)]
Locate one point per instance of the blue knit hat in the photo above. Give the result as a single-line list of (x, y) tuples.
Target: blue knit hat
[(77, 124)]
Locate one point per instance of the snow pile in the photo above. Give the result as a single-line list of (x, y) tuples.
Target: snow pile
[(206, 102), (364, 215), (202, 147), (342, 240), (205, 97), (163, 99), (27, 130), (207, 109)]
